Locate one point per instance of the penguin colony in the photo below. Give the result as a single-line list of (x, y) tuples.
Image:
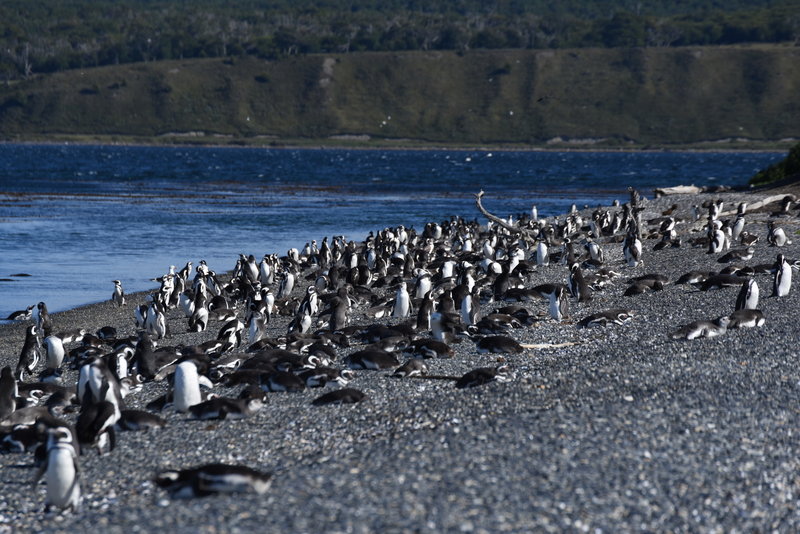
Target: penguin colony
[(321, 316)]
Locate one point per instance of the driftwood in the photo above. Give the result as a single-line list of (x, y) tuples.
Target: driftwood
[(497, 220), (548, 345), (678, 190), (759, 204)]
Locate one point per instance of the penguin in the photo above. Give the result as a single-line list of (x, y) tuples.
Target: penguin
[(737, 255), (322, 376), (783, 277), (747, 299), (402, 302), (747, 239), (746, 318), (29, 357), (632, 249), (96, 380), (371, 359), (61, 470), (412, 367), (95, 424), (615, 316), (8, 392), (282, 381), (21, 315), (484, 375), (156, 321), (209, 479), (577, 285), (702, 328), (310, 303), (498, 344), (286, 285), (54, 352), (595, 252), (231, 333), (429, 348), (43, 321), (340, 396), (738, 227), (186, 389), (542, 256), (226, 408), (118, 296), (424, 312), (559, 303), (776, 237)]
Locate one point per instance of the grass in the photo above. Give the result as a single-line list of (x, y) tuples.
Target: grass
[(709, 97)]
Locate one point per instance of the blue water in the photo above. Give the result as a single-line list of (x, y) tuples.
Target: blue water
[(77, 217)]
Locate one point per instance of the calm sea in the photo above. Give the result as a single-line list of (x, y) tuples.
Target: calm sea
[(74, 218)]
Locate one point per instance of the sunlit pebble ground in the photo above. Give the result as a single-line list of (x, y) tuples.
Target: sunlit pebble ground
[(625, 430)]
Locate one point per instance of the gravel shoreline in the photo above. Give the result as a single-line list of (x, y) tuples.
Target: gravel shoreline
[(627, 430)]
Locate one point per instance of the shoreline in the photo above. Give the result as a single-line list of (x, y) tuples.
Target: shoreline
[(331, 144), (626, 429)]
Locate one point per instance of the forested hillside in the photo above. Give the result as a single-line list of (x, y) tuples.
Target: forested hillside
[(46, 36)]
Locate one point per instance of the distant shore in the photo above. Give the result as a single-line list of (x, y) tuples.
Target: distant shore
[(782, 145)]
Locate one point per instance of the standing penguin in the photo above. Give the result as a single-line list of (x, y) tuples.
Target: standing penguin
[(118, 296), (748, 296), (632, 249), (187, 386), (286, 285), (559, 303), (542, 257), (29, 357), (61, 467), (783, 277), (43, 320), (54, 352), (402, 302), (8, 392)]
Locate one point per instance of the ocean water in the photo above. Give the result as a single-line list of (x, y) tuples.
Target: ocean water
[(74, 218)]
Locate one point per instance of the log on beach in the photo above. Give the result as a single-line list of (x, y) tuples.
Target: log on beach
[(615, 427)]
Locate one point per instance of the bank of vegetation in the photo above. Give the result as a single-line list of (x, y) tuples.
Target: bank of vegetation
[(48, 36)]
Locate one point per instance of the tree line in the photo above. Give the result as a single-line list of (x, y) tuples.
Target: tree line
[(52, 35)]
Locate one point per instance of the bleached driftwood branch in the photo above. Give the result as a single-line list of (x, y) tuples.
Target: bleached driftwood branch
[(494, 218)]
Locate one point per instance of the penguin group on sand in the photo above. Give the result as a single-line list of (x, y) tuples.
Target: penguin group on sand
[(318, 318)]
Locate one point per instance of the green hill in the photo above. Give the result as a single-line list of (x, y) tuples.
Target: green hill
[(708, 96)]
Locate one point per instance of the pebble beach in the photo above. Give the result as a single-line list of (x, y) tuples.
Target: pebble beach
[(624, 430)]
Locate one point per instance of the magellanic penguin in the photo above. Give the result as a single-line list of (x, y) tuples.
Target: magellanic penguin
[(412, 367), (559, 303), (95, 424), (212, 478), (43, 321), (8, 392), (54, 352), (186, 387), (632, 249), (226, 408), (118, 296), (746, 318), (402, 302), (29, 357), (747, 299), (484, 375), (21, 315), (61, 469), (783, 277), (776, 237), (702, 328), (615, 316), (340, 396)]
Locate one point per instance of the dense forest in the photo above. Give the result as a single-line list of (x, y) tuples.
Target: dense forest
[(55, 35)]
